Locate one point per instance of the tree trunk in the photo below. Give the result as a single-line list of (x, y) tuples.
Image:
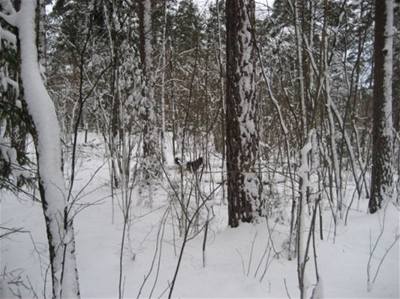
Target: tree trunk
[(150, 131), (241, 107), (51, 181), (382, 173)]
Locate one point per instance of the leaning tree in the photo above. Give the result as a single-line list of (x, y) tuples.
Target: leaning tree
[(46, 135)]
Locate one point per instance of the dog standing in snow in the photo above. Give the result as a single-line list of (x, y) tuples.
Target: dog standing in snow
[(191, 166)]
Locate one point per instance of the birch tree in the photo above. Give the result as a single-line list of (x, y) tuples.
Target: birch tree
[(46, 134), (382, 138), (241, 107)]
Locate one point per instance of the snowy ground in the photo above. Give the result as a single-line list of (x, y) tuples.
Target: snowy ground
[(239, 262)]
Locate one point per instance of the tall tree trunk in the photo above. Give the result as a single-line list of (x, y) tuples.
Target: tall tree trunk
[(41, 33), (382, 173), (115, 122), (163, 105), (20, 125), (47, 140), (148, 115), (241, 107)]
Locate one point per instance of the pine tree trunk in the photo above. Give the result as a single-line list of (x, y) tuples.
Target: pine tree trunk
[(382, 173), (241, 107), (150, 131)]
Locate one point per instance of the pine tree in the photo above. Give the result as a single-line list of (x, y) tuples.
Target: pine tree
[(382, 172), (396, 72), (151, 146), (241, 105)]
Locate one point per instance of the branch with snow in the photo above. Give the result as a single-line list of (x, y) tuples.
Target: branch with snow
[(11, 19), (8, 36), (53, 192)]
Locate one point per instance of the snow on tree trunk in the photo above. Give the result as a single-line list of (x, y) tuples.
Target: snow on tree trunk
[(150, 132), (241, 105), (304, 171), (51, 181), (146, 49), (382, 155), (41, 34), (331, 136)]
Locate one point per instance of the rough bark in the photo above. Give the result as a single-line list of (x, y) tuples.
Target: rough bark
[(382, 173), (148, 115), (241, 107)]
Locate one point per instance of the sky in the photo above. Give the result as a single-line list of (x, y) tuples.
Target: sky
[(201, 3), (261, 5)]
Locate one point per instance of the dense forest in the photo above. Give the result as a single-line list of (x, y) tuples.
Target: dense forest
[(139, 134)]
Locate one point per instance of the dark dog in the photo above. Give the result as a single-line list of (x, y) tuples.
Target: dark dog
[(191, 166)]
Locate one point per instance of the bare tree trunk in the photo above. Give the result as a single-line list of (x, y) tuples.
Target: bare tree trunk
[(222, 97), (382, 172), (164, 69), (150, 132), (113, 146), (304, 169), (241, 108)]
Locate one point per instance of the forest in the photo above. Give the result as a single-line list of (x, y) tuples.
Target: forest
[(199, 149)]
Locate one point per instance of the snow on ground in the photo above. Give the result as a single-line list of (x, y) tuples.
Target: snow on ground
[(235, 263)]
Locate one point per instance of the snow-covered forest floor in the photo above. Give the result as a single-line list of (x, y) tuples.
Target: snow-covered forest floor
[(248, 261)]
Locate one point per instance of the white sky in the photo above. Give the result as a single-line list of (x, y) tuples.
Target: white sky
[(261, 5)]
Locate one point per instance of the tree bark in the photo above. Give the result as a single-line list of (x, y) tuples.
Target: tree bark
[(241, 107), (148, 114), (382, 135)]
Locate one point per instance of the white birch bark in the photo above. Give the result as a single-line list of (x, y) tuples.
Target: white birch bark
[(304, 171), (388, 78)]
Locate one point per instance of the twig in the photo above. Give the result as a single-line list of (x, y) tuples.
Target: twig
[(242, 260), (287, 291), (251, 253)]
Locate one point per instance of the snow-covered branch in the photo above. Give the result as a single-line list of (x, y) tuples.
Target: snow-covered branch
[(7, 6), (9, 18), (8, 36)]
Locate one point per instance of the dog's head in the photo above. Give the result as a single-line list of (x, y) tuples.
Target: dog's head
[(178, 161)]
